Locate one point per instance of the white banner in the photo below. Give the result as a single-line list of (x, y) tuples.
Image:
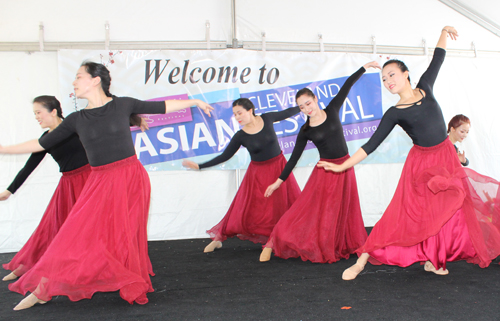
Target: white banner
[(269, 79)]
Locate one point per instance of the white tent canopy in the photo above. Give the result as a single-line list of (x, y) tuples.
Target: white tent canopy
[(392, 23), (387, 26)]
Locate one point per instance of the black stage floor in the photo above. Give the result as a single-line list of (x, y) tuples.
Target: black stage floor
[(231, 284)]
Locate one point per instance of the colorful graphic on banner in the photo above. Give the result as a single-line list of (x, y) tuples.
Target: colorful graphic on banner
[(191, 133)]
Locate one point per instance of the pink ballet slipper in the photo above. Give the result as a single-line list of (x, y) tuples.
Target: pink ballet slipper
[(212, 246), (429, 267), (28, 302), (266, 254), (352, 272), (9, 277)]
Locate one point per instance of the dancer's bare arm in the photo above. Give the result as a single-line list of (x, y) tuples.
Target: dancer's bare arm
[(31, 146)]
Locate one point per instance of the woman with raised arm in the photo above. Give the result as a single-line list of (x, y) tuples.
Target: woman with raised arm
[(102, 246), (325, 224), (458, 129), (252, 216), (432, 217), (75, 169)]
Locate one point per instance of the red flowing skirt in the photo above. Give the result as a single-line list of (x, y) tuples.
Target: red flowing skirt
[(102, 246), (252, 216), (436, 214), (325, 224), (67, 192)]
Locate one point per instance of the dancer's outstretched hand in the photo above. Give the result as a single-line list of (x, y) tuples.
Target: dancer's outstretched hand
[(5, 195), (205, 107), (488, 197), (461, 157), (190, 164), (274, 186), (144, 125), (372, 64), (327, 166), (452, 32)]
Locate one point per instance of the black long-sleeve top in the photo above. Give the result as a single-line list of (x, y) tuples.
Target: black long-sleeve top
[(262, 146), (104, 131), (69, 155), (328, 137), (423, 121)]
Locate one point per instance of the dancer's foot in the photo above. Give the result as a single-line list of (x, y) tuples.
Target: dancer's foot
[(212, 246), (28, 302), (266, 254), (429, 267), (9, 277), (352, 272)]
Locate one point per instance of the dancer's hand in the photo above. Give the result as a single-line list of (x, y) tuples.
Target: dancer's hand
[(190, 164), (327, 166), (5, 195), (144, 125), (371, 64), (488, 197), (205, 107), (452, 32), (271, 188), (461, 157)]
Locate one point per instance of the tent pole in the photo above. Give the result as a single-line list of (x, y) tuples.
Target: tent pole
[(233, 24), (474, 16)]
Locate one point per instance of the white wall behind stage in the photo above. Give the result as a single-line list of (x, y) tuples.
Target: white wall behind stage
[(185, 204)]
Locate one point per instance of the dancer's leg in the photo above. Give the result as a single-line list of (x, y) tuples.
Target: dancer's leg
[(352, 272)]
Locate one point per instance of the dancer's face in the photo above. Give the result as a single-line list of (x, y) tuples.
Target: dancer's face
[(460, 133), (242, 116), (394, 79), (308, 105), (84, 83), (45, 118)]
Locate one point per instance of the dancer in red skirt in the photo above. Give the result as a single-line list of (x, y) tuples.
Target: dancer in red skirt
[(325, 224), (435, 216), (252, 216), (73, 163), (485, 191), (102, 246), (458, 129)]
